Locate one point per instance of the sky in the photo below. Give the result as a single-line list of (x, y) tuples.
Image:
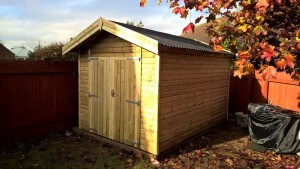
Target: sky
[(30, 22)]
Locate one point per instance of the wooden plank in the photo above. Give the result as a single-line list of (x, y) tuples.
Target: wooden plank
[(84, 35), (192, 93), (122, 98), (131, 36)]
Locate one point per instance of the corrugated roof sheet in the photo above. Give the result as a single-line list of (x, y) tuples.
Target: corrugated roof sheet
[(169, 40)]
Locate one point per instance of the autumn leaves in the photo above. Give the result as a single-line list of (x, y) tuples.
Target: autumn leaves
[(263, 34)]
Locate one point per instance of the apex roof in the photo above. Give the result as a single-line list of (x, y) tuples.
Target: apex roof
[(146, 38)]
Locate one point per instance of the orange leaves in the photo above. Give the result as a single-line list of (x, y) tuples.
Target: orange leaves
[(290, 59), (268, 51), (181, 10), (189, 27), (263, 35), (262, 5), (142, 3), (200, 5), (244, 54), (243, 68), (218, 48), (281, 64), (268, 71)]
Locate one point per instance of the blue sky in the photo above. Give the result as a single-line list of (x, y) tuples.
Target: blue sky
[(27, 22)]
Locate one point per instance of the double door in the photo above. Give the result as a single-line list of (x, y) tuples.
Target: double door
[(114, 98)]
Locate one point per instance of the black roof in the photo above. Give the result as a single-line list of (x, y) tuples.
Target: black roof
[(169, 40)]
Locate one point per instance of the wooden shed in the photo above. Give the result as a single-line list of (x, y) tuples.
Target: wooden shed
[(148, 89)]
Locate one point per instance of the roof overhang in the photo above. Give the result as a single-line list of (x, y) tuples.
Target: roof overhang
[(115, 29)]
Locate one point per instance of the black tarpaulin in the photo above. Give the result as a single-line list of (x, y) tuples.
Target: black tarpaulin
[(274, 128)]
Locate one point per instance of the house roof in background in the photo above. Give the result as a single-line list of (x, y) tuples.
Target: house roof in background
[(199, 33), (5, 53), (20, 52)]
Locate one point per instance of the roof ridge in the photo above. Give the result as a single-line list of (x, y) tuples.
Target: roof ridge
[(157, 32)]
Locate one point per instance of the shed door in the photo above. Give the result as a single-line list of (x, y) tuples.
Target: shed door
[(115, 98)]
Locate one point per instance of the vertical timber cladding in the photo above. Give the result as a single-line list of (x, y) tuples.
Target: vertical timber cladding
[(115, 91), (115, 59), (193, 94)]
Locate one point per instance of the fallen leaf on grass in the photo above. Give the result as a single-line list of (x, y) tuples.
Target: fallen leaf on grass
[(129, 162), (229, 162), (154, 162)]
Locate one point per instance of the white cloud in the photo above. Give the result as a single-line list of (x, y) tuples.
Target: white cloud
[(56, 20)]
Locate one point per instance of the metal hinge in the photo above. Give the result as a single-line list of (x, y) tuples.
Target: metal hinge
[(93, 95), (133, 102), (93, 58), (134, 58)]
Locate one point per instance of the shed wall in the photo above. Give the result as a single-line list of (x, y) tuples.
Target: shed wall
[(113, 46), (194, 89)]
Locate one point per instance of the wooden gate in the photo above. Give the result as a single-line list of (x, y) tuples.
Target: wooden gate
[(114, 103)]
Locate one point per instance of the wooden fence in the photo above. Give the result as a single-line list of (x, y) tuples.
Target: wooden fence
[(37, 97), (282, 91)]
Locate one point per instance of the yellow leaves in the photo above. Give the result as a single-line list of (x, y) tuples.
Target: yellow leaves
[(259, 30), (259, 18), (229, 162), (244, 27), (159, 2), (246, 2), (244, 68)]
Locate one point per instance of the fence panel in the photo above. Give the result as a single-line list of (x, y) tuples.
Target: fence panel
[(282, 91), (37, 97)]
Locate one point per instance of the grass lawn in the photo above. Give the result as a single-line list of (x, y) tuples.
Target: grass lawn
[(226, 146)]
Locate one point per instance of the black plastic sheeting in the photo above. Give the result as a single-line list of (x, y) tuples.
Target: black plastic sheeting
[(274, 128)]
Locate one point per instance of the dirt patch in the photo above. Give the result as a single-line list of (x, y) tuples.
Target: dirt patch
[(226, 146)]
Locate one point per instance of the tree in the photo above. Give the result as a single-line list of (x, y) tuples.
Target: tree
[(140, 24), (263, 34), (51, 52)]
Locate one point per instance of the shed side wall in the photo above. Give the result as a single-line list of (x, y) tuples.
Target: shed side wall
[(193, 94), (113, 46), (149, 101)]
